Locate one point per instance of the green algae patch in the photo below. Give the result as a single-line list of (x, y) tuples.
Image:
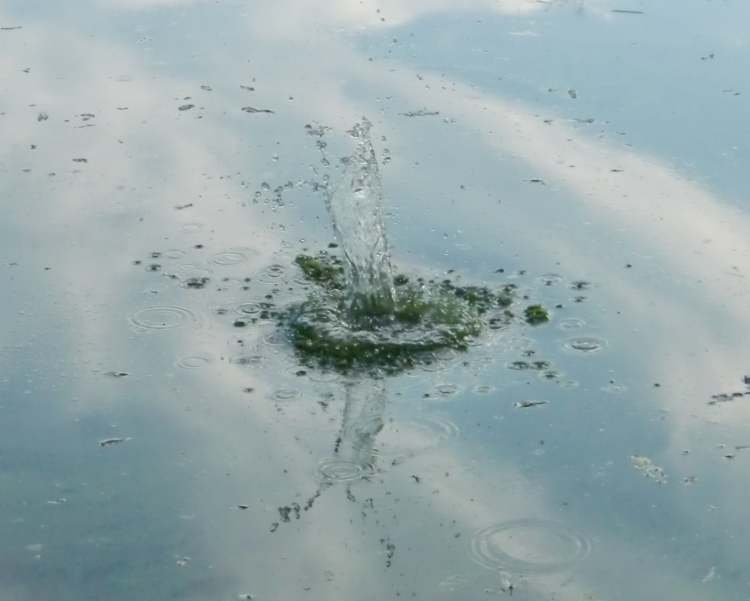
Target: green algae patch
[(330, 330), (536, 315), (325, 270)]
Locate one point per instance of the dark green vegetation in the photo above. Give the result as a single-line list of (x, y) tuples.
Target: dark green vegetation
[(536, 314), (428, 316)]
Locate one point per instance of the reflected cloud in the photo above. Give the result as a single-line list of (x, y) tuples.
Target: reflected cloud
[(242, 447)]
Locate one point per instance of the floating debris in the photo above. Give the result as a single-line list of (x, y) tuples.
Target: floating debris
[(185, 107), (116, 374), (648, 468), (420, 113), (253, 110), (108, 442), (572, 93), (627, 11), (536, 314), (526, 404)]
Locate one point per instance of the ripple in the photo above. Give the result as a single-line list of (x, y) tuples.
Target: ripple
[(446, 389), (571, 323), (251, 308), (550, 279), (585, 344), (528, 545), (247, 360), (334, 469), (232, 256), (273, 273), (409, 437), (484, 389), (162, 317), (276, 338), (174, 253), (195, 361), (324, 377), (285, 394)]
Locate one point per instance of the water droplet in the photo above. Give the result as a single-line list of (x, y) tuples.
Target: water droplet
[(585, 344), (528, 546), (162, 317)]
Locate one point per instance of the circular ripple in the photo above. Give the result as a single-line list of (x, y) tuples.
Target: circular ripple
[(162, 317), (195, 361), (550, 279), (232, 256), (273, 273), (528, 545), (446, 389), (409, 437), (174, 253), (571, 323), (251, 308), (585, 344), (247, 360), (340, 470), (285, 394)]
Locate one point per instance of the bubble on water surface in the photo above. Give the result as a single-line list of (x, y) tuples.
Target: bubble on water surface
[(528, 546), (162, 317)]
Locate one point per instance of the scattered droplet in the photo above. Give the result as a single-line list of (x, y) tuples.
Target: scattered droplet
[(285, 394)]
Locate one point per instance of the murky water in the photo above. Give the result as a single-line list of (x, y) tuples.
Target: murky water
[(165, 161)]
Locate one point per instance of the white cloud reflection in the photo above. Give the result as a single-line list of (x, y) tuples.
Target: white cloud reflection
[(646, 207)]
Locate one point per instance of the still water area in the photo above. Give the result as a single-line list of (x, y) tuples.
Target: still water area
[(355, 301)]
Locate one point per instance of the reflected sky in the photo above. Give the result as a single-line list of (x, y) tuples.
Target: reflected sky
[(606, 148)]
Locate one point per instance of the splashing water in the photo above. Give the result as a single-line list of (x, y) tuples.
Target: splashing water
[(356, 208)]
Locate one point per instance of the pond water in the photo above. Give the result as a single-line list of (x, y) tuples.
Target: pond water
[(163, 162)]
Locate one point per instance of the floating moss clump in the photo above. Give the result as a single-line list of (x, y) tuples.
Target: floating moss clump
[(427, 317), (324, 270), (536, 314)]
